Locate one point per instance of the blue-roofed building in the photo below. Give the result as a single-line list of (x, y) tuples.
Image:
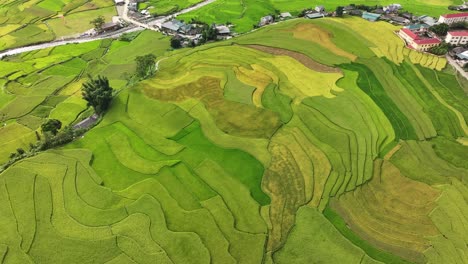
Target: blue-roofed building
[(417, 27), (463, 55), (370, 16)]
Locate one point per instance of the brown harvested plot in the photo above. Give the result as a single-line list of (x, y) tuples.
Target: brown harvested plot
[(391, 212), (306, 61), (318, 35), (231, 117), (256, 78)]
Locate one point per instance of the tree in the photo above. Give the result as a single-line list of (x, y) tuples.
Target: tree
[(98, 93), (20, 151), (440, 49), (209, 33), (440, 29), (97, 23), (146, 65), (339, 11), (175, 43), (52, 126)]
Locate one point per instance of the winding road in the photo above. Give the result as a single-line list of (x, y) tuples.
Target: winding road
[(136, 26)]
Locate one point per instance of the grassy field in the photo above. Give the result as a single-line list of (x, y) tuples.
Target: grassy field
[(166, 6), (273, 147)]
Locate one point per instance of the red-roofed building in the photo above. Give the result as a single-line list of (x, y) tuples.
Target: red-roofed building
[(457, 37), (453, 18), (416, 41)]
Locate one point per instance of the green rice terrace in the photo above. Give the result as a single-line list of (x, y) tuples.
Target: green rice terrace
[(307, 141)]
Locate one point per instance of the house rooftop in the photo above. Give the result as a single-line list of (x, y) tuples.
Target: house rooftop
[(223, 29), (463, 33), (427, 41), (285, 14), (172, 25), (410, 33), (416, 26), (455, 15), (370, 16), (314, 15)]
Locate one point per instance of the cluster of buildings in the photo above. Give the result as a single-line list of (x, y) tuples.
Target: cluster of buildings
[(317, 12), (419, 38), (186, 32)]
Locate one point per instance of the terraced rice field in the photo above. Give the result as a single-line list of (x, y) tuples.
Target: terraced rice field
[(28, 22), (273, 147)]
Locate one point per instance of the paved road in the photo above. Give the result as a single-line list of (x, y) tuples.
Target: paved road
[(457, 67), (136, 26), (56, 43)]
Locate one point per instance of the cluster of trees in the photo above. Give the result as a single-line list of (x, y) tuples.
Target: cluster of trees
[(208, 33), (440, 49), (145, 66), (339, 11), (440, 29)]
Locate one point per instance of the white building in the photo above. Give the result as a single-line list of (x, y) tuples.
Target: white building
[(457, 37), (453, 18), (417, 42)]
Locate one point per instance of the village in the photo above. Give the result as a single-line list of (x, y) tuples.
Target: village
[(446, 35)]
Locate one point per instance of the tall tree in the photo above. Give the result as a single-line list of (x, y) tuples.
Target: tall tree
[(52, 126), (98, 93), (339, 11), (97, 23), (145, 65)]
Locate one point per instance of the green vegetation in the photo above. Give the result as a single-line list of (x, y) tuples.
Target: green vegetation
[(305, 141), (145, 65), (98, 94), (97, 23), (30, 22), (52, 126)]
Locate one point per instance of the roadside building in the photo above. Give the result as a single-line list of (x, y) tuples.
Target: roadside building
[(417, 27), (393, 8), (407, 15), (378, 11), (430, 21), (110, 26), (266, 20), (320, 9), (453, 18), (457, 50), (418, 41), (171, 27), (400, 20), (349, 8), (119, 2), (223, 32), (314, 15), (370, 16), (457, 37), (355, 12), (285, 15), (463, 55), (186, 29)]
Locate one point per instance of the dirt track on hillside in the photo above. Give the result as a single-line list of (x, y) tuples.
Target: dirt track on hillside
[(306, 61)]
